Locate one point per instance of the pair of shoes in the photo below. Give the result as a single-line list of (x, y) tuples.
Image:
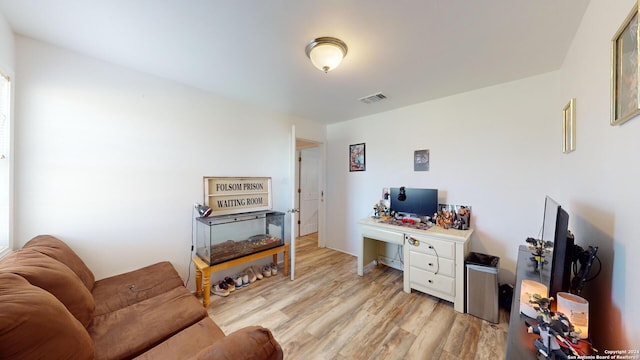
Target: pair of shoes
[(241, 280), (237, 280), (266, 271), (221, 289), (231, 284), (257, 272), (274, 269), (252, 277)]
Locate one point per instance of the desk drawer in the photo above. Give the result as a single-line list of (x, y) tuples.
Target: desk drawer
[(431, 246), (440, 283), (383, 235), (432, 263)]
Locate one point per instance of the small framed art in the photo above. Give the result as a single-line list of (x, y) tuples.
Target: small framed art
[(357, 159), (421, 160), (569, 127), (624, 70)]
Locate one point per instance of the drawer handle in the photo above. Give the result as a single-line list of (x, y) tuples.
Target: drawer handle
[(437, 257), (430, 281)]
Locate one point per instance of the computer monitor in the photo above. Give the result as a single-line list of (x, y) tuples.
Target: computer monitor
[(414, 202), (555, 229)]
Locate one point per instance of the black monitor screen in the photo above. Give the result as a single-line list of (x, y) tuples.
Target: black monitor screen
[(555, 229), (551, 208), (419, 202)]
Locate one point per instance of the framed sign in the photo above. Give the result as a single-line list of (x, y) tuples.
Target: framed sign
[(624, 70), (357, 159), (233, 195)]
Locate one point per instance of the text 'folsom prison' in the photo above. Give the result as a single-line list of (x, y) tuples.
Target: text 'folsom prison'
[(239, 187)]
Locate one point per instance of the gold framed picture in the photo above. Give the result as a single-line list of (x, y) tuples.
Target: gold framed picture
[(625, 104), (569, 127)]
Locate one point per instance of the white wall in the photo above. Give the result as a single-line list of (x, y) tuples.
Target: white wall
[(111, 160), (6, 46), (490, 149), (601, 191), (7, 68), (498, 149)]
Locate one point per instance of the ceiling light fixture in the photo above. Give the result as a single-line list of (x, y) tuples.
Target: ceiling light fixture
[(326, 53)]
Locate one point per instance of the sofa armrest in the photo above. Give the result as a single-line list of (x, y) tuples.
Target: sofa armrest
[(250, 343)]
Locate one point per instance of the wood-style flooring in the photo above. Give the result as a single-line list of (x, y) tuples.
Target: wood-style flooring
[(329, 312)]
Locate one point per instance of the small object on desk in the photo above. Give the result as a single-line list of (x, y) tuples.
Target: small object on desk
[(555, 339), (380, 209), (529, 289), (576, 309), (453, 216), (540, 248)]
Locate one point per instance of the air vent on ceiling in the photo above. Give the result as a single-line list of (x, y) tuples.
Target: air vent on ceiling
[(373, 98)]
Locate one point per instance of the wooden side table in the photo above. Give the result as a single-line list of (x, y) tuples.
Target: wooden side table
[(204, 271)]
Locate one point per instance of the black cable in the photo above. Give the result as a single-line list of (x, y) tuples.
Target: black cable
[(576, 272), (599, 269), (437, 258)]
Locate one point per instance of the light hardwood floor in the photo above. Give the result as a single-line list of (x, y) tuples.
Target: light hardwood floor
[(329, 312)]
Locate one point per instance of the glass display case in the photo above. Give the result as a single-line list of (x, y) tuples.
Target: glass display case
[(228, 237)]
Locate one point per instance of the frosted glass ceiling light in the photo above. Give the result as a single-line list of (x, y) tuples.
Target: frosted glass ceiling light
[(326, 53)]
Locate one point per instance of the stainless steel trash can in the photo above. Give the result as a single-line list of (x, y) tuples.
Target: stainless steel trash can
[(482, 286)]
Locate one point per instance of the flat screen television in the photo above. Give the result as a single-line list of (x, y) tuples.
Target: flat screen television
[(555, 228), (414, 202)]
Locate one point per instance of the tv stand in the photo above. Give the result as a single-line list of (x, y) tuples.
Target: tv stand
[(520, 342)]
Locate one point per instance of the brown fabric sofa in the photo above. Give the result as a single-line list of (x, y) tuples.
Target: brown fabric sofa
[(51, 307)]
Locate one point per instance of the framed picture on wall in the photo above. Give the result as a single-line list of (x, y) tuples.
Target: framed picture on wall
[(624, 70), (569, 127), (421, 160), (357, 160)]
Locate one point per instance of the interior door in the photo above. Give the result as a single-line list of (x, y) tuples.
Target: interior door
[(309, 190)]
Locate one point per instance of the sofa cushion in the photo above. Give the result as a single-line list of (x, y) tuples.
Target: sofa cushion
[(135, 329), (53, 276), (120, 291), (60, 251), (35, 325), (187, 343), (253, 342)]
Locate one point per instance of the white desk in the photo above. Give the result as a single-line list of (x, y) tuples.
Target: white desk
[(433, 258)]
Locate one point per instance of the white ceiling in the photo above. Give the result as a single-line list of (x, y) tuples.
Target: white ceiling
[(253, 50)]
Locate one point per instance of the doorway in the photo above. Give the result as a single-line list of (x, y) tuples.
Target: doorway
[(309, 194)]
